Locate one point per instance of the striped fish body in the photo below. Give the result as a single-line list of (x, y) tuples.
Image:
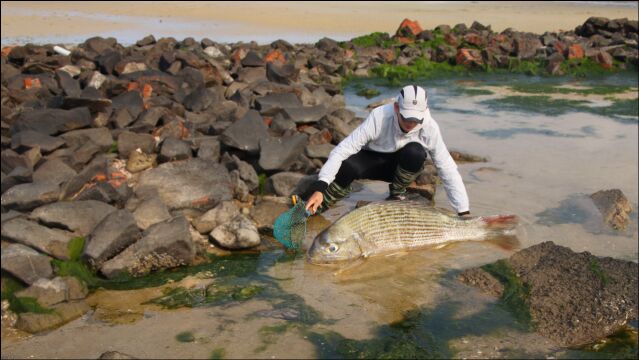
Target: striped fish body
[(392, 226)]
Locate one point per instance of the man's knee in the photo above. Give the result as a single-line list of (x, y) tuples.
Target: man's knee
[(412, 156)]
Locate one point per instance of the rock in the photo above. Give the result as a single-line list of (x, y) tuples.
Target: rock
[(151, 211), (574, 298), (46, 291), (409, 28), (221, 214), (80, 217), (240, 189), (163, 245), (251, 75), (52, 121), (175, 149), (479, 278), (575, 51), (469, 58), (139, 161), (50, 241), (97, 167), (29, 139), (193, 183), (30, 196), (101, 137), (114, 233), (246, 133), (252, 59), (128, 142), (321, 151), (62, 313), (283, 74), (12, 160), (305, 114), (200, 99), (614, 207), (466, 158), (147, 40), (267, 210), (604, 59), (274, 102), (148, 119), (115, 355), (526, 47), (280, 153), (283, 183), (246, 172), (131, 101), (239, 233), (25, 263), (53, 171), (209, 149)]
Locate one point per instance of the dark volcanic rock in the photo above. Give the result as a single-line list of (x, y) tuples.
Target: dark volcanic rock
[(25, 263), (193, 183), (175, 149), (574, 298), (116, 232), (30, 196), (280, 153), (77, 216), (164, 245), (54, 171), (50, 241), (29, 139), (52, 121), (246, 133)]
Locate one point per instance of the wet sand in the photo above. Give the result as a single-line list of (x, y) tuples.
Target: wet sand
[(68, 22)]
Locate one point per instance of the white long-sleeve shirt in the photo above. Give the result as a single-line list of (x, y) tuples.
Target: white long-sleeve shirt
[(381, 132)]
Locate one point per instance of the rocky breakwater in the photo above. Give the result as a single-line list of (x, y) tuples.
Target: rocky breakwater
[(125, 160)]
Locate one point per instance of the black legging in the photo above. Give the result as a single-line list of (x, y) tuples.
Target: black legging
[(374, 165)]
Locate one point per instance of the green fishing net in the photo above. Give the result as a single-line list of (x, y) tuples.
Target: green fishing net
[(290, 227)]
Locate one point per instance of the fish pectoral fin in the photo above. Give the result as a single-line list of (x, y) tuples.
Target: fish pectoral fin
[(348, 266)]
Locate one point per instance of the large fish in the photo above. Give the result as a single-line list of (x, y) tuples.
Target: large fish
[(393, 226)]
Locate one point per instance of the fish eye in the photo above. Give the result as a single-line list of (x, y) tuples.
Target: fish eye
[(332, 248)]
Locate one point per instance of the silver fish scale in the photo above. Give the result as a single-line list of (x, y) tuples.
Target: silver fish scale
[(394, 225)]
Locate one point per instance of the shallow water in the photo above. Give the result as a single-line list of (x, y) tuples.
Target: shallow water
[(541, 167)]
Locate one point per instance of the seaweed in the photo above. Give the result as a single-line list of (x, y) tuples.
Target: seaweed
[(516, 293)]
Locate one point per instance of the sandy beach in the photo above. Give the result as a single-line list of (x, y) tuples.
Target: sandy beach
[(68, 22)]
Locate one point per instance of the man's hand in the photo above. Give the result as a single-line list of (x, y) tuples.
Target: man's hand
[(314, 202)]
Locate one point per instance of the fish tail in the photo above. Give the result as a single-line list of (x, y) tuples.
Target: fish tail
[(501, 230)]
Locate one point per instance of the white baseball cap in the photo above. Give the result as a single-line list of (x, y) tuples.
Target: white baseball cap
[(413, 103)]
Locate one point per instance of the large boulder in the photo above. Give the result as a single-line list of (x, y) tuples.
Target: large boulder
[(80, 217), (193, 183), (31, 195), (280, 153), (572, 298), (116, 232), (29, 139), (25, 263), (150, 211), (54, 171), (164, 245), (50, 241), (288, 183), (246, 133), (52, 121)]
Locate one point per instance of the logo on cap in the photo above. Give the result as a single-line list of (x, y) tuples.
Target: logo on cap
[(414, 102)]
